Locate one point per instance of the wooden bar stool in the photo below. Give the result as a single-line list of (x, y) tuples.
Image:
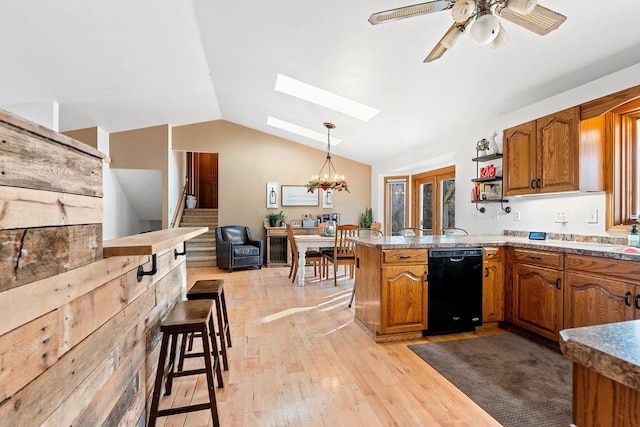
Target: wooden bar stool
[(187, 317), (214, 290)]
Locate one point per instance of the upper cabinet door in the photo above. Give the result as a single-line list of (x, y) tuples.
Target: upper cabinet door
[(557, 159), (519, 165)]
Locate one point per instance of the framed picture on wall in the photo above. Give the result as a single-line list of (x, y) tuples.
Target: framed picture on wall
[(272, 195), (297, 195), (327, 198)]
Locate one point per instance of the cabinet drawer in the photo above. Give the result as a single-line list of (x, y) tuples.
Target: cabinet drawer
[(277, 232), (541, 258), (404, 256), (491, 253), (610, 268)]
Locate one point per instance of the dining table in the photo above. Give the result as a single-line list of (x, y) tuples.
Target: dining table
[(303, 243)]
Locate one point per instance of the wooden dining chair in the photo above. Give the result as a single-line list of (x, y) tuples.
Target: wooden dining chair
[(343, 251), (311, 256)]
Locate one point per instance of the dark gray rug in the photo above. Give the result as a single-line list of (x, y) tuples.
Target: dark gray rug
[(518, 382)]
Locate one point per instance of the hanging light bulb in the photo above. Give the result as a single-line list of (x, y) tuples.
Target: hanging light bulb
[(501, 39), (485, 28)]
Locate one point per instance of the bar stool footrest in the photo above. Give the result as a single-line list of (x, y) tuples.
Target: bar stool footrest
[(184, 409)]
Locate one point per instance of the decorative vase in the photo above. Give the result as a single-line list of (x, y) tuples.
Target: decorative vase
[(273, 222), (493, 145)]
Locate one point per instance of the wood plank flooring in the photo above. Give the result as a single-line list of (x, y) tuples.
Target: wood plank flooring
[(298, 359)]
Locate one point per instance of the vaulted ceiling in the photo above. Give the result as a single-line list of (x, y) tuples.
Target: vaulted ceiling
[(123, 64)]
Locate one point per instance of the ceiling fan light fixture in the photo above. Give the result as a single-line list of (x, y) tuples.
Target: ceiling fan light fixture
[(451, 38), (485, 28), (501, 39), (523, 7), (462, 10)]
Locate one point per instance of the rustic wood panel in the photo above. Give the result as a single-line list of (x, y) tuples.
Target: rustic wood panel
[(27, 352), (104, 402), (26, 208), (32, 254), (50, 293), (23, 125), (80, 399), (35, 402), (52, 167)]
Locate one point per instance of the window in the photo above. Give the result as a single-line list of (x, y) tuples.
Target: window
[(396, 213), (623, 185), (434, 199)]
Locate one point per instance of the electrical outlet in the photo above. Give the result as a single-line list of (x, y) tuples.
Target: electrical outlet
[(592, 216), (516, 215), (561, 216)]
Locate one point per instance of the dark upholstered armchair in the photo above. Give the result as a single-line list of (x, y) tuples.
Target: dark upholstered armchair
[(235, 248)]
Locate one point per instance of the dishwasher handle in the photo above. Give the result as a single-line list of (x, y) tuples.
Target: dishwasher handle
[(456, 259)]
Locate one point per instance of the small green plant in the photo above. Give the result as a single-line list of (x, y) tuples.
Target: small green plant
[(366, 218), (483, 145), (276, 218)]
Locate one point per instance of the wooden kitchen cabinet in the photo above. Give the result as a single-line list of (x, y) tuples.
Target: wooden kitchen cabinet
[(554, 153), (493, 289), (600, 290), (391, 292), (537, 291), (404, 297)]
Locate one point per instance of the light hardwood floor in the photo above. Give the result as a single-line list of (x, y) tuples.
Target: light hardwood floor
[(298, 359)]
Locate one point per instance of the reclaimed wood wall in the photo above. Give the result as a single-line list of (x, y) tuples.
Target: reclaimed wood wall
[(78, 333)]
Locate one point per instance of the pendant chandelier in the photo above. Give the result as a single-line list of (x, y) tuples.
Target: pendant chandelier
[(327, 178)]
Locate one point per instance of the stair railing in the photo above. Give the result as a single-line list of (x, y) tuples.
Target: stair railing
[(179, 208)]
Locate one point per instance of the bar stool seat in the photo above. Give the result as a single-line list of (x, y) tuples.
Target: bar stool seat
[(213, 289), (187, 317)]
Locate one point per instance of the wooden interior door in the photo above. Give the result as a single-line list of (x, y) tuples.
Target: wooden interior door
[(433, 199), (206, 180)]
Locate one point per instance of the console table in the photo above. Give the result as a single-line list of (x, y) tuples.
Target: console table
[(278, 250)]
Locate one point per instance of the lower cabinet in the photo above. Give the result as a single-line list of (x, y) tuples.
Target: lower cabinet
[(391, 292), (600, 290), (537, 292), (404, 297), (493, 291)]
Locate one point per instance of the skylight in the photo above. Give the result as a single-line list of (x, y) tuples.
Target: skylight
[(299, 130), (324, 98)]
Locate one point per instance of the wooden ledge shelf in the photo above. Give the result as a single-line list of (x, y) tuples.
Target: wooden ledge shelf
[(150, 243)]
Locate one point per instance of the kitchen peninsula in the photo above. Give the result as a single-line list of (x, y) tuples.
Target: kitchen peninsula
[(391, 283)]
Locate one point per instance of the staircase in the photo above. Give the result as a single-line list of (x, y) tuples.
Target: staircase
[(201, 250)]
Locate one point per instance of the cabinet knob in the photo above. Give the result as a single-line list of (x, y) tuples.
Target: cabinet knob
[(532, 184), (558, 283)]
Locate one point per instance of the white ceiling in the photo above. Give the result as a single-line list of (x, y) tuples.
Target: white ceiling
[(122, 64)]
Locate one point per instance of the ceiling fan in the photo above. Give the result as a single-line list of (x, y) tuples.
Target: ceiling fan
[(482, 18)]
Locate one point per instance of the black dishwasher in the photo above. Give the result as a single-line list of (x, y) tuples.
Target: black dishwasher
[(455, 290)]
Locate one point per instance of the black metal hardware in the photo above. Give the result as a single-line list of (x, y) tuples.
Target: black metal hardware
[(626, 299), (486, 272), (176, 254), (558, 283), (534, 257), (538, 183), (404, 256), (637, 298), (154, 269), (532, 184), (357, 262)]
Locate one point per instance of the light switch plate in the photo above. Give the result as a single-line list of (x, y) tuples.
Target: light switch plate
[(592, 216)]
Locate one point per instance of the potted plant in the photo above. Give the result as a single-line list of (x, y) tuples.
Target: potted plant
[(366, 218), (482, 146), (276, 219)]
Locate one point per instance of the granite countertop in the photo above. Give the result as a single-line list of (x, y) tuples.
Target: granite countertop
[(603, 250), (612, 350)]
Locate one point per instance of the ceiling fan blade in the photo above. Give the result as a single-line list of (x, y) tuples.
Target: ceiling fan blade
[(541, 21), (409, 11), (440, 47)]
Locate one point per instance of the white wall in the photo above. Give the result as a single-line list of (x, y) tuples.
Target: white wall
[(119, 218), (46, 114), (536, 212), (177, 177)]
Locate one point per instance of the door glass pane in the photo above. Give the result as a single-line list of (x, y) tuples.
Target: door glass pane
[(426, 206), (448, 203), (397, 209)]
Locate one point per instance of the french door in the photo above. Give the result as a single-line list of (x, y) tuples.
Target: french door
[(434, 199)]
